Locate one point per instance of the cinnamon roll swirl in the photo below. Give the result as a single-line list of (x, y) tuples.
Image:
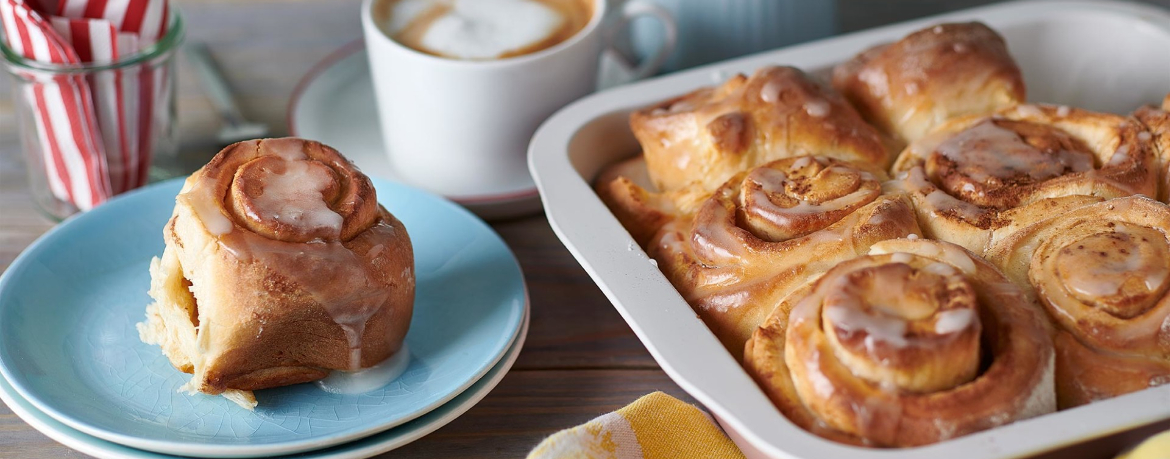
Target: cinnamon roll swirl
[(974, 176), (768, 231), (279, 267), (917, 342), (909, 87), (1101, 271), (711, 134)]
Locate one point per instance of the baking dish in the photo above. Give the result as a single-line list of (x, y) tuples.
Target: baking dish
[(1103, 56)]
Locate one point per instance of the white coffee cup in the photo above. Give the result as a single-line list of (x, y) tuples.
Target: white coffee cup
[(461, 128)]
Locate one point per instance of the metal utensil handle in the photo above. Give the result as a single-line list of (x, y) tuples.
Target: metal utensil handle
[(213, 82)]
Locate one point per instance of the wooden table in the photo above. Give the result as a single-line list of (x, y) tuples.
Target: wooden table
[(580, 359)]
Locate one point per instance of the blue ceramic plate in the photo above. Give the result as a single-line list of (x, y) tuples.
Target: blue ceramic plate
[(374, 444), (68, 345)]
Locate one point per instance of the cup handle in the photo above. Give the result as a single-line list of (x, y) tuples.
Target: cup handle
[(633, 9)]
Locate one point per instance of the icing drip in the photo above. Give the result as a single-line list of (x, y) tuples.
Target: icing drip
[(367, 379), (953, 321), (1122, 271), (1030, 111), (207, 210), (295, 196), (817, 108), (987, 152), (770, 93), (887, 329)]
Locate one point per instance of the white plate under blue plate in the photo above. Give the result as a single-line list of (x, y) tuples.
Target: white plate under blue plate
[(366, 447), (69, 303), (334, 104)]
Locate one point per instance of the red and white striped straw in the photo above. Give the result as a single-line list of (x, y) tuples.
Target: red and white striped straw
[(96, 41), (75, 158), (96, 131), (139, 23)]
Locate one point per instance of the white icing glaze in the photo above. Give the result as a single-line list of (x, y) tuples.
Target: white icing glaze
[(953, 320), (770, 93), (941, 269), (1062, 111), (957, 257), (294, 197), (288, 149), (887, 329), (208, 210), (1000, 153), (901, 257), (1145, 136), (805, 161), (817, 108), (368, 379), (1105, 278), (1030, 111), (1120, 156), (772, 182), (939, 199)]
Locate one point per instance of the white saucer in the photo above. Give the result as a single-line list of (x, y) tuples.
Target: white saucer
[(365, 447), (334, 104)]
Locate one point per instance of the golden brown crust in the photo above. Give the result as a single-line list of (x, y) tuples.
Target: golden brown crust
[(768, 231), (625, 188), (779, 112), (908, 87), (973, 176), (1157, 123), (884, 349), (293, 270), (1100, 271)]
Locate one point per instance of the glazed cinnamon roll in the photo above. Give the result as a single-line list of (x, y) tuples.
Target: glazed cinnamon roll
[(280, 266), (768, 231), (711, 134), (626, 189), (909, 87), (917, 342), (974, 176), (1102, 273)]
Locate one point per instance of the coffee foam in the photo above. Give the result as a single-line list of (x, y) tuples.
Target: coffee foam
[(480, 29)]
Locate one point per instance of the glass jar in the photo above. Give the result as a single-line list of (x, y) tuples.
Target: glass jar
[(92, 131)]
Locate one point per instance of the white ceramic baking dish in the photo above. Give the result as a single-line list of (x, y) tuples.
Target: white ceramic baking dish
[(1104, 56)]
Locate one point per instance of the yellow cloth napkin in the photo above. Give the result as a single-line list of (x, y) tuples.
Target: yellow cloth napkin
[(653, 427), (1156, 447)]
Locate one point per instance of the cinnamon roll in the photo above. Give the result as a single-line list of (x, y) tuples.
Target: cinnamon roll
[(768, 231), (1101, 272), (917, 342), (909, 87), (711, 134), (279, 267), (626, 189), (1157, 122), (974, 176)]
